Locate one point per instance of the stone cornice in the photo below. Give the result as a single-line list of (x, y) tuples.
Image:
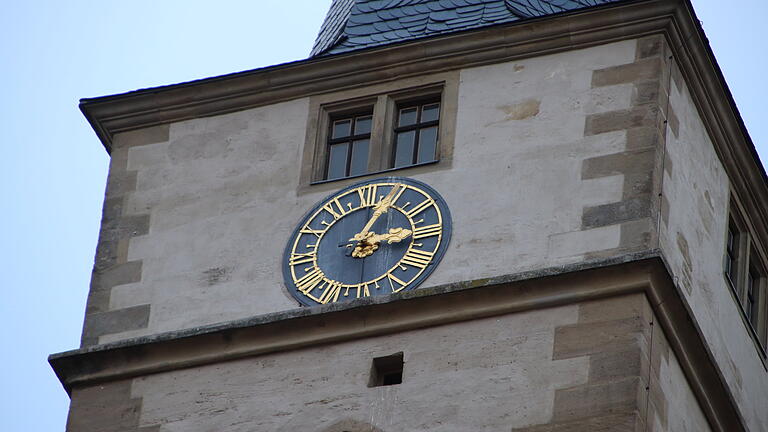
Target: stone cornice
[(110, 115), (640, 273)]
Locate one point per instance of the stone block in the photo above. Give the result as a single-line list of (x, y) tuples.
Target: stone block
[(612, 309), (651, 46), (590, 338), (647, 92), (121, 183), (608, 423), (116, 321), (631, 162), (106, 254), (612, 365), (647, 69), (112, 209), (643, 138), (150, 135), (609, 398), (102, 408), (637, 233), (614, 213), (102, 282), (644, 115), (98, 299), (125, 227)]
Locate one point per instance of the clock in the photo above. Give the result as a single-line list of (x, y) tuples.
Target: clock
[(372, 238)]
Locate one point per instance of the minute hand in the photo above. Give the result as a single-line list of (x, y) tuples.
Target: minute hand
[(380, 208)]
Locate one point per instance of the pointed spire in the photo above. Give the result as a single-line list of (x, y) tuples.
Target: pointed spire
[(333, 26)]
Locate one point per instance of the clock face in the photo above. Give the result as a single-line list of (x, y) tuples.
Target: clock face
[(375, 237)]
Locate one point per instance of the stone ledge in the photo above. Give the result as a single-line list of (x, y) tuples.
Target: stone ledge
[(645, 273), (110, 115), (290, 314)]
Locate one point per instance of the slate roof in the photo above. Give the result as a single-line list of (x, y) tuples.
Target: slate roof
[(356, 24)]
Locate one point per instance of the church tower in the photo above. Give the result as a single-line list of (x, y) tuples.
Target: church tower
[(454, 216)]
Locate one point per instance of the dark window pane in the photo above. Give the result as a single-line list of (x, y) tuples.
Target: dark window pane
[(427, 144), (341, 128), (430, 113), (359, 158), (755, 300), (408, 116), (731, 238), (337, 161), (363, 125), (404, 149)]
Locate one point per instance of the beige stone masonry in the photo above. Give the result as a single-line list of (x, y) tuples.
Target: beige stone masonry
[(107, 407), (644, 124), (111, 267), (615, 335), (628, 357)]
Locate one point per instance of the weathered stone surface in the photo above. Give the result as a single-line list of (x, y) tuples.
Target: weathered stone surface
[(140, 137), (120, 274), (609, 423), (107, 407), (644, 115), (623, 211), (487, 374), (224, 192), (116, 321), (648, 69), (612, 365), (612, 397)]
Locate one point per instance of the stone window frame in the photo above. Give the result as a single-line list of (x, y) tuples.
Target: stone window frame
[(383, 99), (750, 259)]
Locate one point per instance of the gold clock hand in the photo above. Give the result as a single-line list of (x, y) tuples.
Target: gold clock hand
[(370, 243), (380, 208), (395, 235)]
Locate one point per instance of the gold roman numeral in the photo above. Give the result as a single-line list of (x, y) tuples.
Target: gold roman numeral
[(309, 281), (421, 207), (331, 292), (367, 195), (302, 258), (362, 290), (393, 280), (427, 231), (335, 209), (308, 230), (399, 192), (417, 258)]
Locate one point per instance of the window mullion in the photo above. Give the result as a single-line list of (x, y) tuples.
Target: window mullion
[(744, 257), (416, 139)]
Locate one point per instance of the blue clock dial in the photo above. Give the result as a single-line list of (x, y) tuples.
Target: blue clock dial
[(375, 237)]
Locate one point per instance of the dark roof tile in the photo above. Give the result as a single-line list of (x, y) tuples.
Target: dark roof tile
[(357, 24)]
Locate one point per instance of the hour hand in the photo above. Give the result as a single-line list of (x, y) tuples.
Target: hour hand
[(395, 235), (370, 244)]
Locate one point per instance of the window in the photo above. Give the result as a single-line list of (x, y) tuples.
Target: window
[(745, 273), (402, 124), (349, 139), (751, 299), (731, 254), (416, 133), (410, 138)]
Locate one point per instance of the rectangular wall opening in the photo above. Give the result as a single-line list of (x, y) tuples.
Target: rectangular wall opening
[(387, 371)]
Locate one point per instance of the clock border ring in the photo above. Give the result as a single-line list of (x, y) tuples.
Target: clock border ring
[(447, 228)]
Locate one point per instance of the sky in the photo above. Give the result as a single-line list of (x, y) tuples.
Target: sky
[(53, 168)]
